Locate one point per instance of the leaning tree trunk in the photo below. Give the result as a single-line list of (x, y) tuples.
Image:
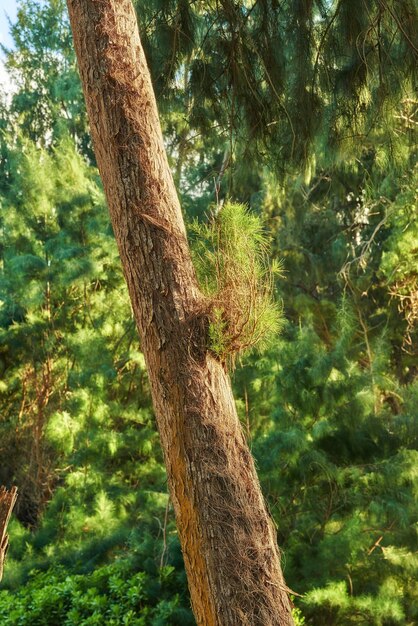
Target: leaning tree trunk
[(7, 502), (228, 541)]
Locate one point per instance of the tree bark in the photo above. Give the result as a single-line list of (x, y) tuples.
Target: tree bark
[(7, 502), (228, 540)]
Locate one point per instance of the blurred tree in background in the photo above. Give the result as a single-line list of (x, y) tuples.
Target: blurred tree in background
[(306, 111)]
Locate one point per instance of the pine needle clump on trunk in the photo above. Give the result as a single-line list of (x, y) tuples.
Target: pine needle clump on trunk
[(230, 254)]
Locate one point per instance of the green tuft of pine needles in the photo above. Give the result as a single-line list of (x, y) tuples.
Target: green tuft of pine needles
[(230, 254)]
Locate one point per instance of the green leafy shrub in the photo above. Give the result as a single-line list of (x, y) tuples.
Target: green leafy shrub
[(114, 594)]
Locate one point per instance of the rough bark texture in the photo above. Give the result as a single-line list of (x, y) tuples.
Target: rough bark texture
[(7, 502), (228, 540)]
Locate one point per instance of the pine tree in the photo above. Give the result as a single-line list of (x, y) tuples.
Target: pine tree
[(234, 575)]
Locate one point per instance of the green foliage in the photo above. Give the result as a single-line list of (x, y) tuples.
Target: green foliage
[(334, 600), (298, 616), (231, 259), (400, 258), (54, 265), (329, 407), (47, 101), (288, 81), (114, 594)]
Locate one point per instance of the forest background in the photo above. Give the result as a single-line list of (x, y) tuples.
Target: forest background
[(307, 113)]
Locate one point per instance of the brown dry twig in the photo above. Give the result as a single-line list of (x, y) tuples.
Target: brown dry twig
[(7, 502)]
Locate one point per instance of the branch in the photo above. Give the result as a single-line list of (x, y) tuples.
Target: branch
[(7, 502)]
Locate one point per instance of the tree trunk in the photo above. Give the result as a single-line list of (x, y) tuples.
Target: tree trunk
[(228, 540), (7, 502)]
